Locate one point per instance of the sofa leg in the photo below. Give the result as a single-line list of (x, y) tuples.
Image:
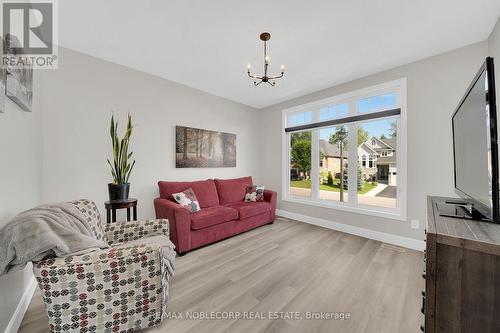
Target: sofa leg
[(272, 222), (181, 254)]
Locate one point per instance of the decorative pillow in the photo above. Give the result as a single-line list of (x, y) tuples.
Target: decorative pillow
[(254, 193), (187, 199)]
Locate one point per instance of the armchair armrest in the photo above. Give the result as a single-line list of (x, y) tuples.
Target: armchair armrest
[(270, 196), (99, 257), (179, 219), (128, 231)]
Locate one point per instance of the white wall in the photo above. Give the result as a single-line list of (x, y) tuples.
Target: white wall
[(20, 164), (78, 101), (435, 86)]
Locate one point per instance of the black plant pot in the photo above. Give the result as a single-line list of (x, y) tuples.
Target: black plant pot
[(118, 191)]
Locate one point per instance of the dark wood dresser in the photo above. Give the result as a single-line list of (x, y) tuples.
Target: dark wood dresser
[(462, 274)]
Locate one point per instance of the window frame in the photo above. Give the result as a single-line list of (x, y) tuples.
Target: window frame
[(400, 212)]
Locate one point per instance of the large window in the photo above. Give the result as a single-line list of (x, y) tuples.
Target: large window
[(349, 152)]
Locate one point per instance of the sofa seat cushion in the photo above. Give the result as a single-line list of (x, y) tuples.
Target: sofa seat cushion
[(211, 216), (249, 209), (232, 190), (205, 191)]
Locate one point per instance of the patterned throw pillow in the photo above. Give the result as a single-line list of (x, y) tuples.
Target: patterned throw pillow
[(254, 193), (187, 199)]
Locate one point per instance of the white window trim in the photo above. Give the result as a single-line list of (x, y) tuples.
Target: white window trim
[(400, 213)]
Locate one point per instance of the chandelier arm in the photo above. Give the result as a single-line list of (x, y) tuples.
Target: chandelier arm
[(257, 83), (277, 76), (254, 76)]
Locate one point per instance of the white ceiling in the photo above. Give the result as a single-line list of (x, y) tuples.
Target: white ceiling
[(207, 44)]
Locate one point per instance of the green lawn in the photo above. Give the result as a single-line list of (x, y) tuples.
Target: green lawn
[(367, 186)]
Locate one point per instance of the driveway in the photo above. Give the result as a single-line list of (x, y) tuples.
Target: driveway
[(388, 192), (363, 199)]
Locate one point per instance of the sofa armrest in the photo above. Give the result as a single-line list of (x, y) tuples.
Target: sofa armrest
[(120, 232), (179, 219), (270, 196)]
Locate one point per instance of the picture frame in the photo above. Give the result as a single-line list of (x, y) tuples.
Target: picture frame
[(19, 79), (201, 148)]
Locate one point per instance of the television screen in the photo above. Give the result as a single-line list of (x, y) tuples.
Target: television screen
[(475, 144)]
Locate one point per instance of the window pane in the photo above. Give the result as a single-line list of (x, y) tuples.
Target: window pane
[(297, 119), (333, 164), (333, 112), (377, 163), (377, 103), (300, 164)]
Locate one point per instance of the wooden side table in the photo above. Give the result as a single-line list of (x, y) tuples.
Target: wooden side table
[(112, 206)]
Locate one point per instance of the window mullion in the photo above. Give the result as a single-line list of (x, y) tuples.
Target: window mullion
[(353, 165), (287, 157), (315, 160)]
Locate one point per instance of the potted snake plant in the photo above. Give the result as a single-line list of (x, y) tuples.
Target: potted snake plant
[(122, 166)]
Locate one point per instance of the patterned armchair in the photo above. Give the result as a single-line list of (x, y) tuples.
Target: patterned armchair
[(120, 289)]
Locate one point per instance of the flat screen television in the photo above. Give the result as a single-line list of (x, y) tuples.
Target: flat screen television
[(475, 148)]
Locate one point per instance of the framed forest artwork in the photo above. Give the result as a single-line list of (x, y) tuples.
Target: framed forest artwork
[(200, 148)]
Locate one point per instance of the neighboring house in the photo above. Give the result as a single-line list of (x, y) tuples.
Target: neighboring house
[(331, 158), (376, 157)]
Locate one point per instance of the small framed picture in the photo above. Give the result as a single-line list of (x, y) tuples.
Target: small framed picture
[(19, 79)]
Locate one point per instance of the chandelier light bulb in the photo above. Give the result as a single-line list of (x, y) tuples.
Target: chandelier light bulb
[(248, 66), (282, 68)]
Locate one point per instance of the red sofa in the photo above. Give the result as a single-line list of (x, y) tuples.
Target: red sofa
[(223, 212)]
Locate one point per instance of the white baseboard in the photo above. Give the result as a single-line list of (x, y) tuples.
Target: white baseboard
[(17, 317), (410, 243)]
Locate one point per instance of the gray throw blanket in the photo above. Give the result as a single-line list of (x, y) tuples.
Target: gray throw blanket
[(45, 231)]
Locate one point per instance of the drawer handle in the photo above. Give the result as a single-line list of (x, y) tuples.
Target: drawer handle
[(423, 275), (422, 328), (422, 309)]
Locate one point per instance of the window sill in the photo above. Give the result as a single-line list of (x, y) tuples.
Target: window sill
[(365, 210)]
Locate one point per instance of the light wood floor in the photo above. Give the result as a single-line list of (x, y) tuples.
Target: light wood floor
[(290, 266)]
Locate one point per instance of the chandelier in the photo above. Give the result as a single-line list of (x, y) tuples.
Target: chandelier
[(265, 36)]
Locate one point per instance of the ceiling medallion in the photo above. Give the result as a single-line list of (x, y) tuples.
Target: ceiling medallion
[(265, 36)]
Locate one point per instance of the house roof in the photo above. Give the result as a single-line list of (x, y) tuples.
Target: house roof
[(367, 147), (328, 149), (391, 142), (334, 151)]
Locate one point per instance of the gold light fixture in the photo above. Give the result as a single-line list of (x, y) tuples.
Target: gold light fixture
[(265, 36)]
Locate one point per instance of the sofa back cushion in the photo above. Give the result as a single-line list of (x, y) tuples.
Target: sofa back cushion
[(205, 191), (232, 190), (93, 217)]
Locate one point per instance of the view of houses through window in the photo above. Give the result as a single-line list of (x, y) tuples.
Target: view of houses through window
[(369, 146), (377, 142)]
